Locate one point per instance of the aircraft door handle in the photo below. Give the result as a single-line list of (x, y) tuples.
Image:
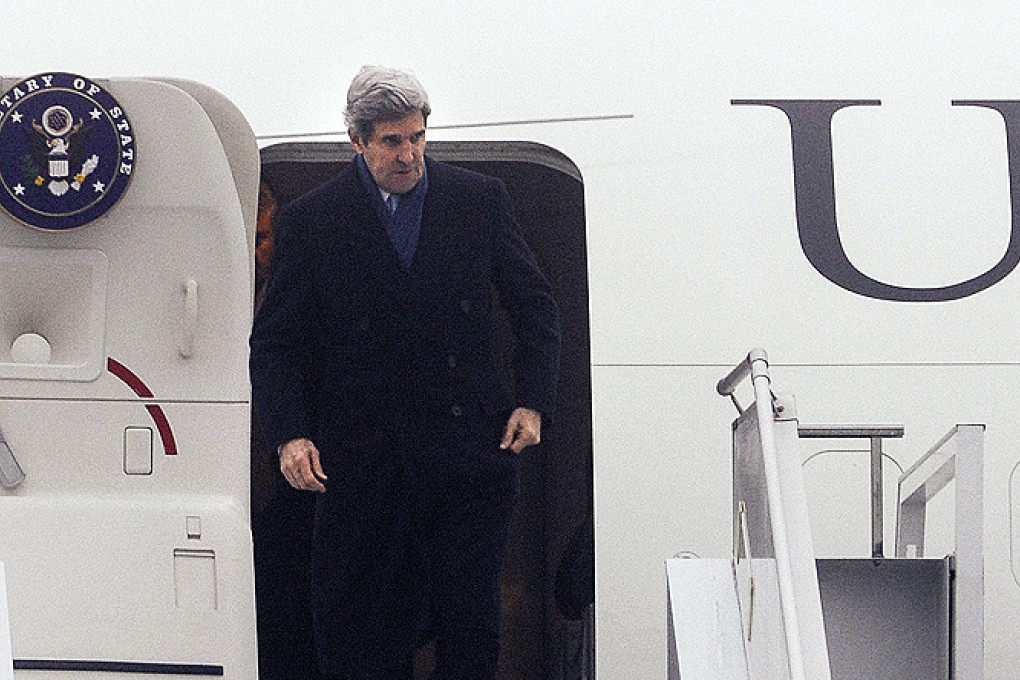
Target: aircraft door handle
[(187, 345), (11, 473)]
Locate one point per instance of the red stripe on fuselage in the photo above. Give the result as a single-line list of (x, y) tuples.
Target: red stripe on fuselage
[(163, 425), (128, 377)]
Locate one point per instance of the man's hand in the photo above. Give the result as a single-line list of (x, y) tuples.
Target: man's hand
[(299, 463), (523, 429)]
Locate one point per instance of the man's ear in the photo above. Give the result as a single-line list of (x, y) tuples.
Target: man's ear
[(356, 141)]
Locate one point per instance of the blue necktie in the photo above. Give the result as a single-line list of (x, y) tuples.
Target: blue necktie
[(402, 232)]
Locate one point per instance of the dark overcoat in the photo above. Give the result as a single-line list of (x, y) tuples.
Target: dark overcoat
[(369, 360)]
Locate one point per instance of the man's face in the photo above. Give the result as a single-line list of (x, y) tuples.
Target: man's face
[(395, 153)]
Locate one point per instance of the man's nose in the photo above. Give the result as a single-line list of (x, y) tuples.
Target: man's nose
[(406, 152)]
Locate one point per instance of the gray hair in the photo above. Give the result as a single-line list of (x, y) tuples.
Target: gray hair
[(380, 94)]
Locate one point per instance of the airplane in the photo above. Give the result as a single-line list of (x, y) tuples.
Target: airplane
[(834, 183)]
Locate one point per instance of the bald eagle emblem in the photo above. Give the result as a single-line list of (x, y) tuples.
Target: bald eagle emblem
[(59, 146)]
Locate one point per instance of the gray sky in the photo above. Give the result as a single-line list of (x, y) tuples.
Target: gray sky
[(287, 64)]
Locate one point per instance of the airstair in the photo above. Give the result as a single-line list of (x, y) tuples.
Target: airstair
[(775, 612)]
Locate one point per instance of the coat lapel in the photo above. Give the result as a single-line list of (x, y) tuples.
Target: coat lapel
[(434, 219), (357, 215)]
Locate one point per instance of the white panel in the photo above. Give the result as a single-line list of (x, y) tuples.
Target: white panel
[(195, 579), (705, 618), (47, 438), (762, 610), (138, 451)]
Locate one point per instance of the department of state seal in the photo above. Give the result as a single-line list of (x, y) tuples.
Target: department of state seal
[(67, 151)]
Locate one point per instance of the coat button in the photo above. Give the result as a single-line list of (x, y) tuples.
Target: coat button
[(465, 306), (451, 361), (457, 411)]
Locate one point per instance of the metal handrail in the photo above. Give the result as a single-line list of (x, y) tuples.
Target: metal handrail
[(727, 387), (932, 472), (958, 456), (756, 365)]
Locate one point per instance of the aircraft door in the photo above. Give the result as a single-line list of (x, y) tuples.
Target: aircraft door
[(125, 304)]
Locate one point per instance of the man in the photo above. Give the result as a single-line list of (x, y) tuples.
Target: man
[(373, 373)]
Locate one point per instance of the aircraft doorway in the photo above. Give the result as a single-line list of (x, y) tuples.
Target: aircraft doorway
[(539, 641)]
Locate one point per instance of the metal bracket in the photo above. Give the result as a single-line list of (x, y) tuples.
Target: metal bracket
[(784, 407)]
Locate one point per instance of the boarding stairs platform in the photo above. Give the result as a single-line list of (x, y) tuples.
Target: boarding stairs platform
[(775, 612)]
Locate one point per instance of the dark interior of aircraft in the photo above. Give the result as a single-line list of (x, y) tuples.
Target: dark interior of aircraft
[(548, 581)]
